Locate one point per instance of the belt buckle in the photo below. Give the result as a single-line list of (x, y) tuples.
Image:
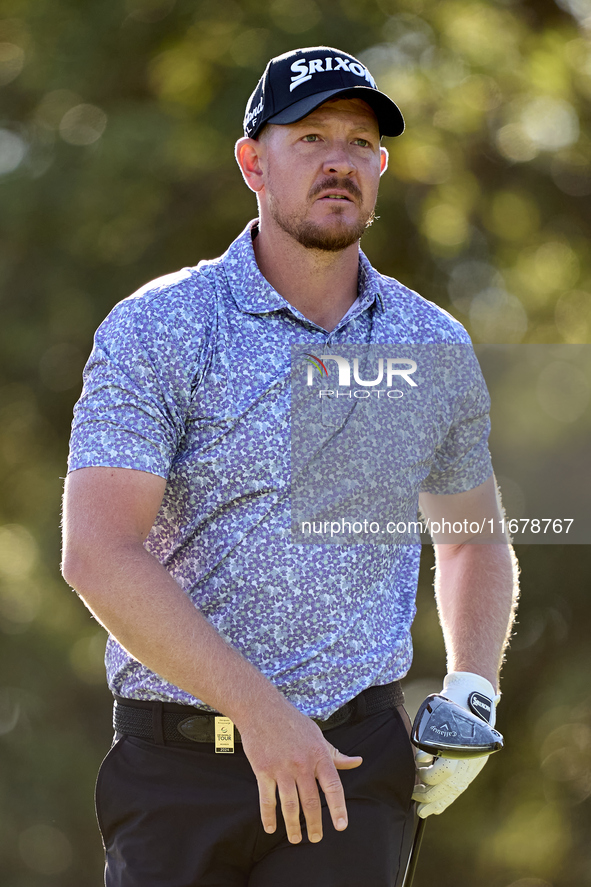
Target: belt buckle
[(193, 728)]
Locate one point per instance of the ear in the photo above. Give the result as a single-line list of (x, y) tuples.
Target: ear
[(383, 160), (248, 153)]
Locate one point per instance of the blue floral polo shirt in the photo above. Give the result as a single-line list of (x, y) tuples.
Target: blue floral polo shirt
[(191, 379)]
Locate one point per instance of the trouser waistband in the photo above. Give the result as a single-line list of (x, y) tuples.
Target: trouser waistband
[(163, 722)]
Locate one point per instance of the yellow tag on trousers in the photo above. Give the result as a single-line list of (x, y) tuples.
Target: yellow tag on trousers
[(224, 736)]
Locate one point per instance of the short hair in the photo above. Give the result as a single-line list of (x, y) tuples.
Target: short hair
[(263, 134)]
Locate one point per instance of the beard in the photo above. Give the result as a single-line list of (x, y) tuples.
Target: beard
[(329, 238)]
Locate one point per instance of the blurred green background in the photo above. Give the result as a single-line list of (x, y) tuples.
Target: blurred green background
[(117, 124)]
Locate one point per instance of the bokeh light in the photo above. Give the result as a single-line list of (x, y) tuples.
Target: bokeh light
[(45, 849), (12, 59), (13, 150), (83, 124)]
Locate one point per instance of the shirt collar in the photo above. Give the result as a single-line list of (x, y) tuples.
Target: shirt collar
[(253, 294)]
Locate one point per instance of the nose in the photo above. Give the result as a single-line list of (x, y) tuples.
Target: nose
[(339, 161)]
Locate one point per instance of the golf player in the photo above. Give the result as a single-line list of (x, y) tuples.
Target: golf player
[(260, 737)]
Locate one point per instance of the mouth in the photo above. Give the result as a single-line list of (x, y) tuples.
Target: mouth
[(333, 188), (335, 196)]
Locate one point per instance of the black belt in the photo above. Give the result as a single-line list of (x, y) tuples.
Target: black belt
[(163, 722)]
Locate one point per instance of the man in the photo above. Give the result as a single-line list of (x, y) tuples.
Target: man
[(177, 533)]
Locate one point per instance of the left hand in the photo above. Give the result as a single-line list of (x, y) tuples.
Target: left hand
[(444, 779)]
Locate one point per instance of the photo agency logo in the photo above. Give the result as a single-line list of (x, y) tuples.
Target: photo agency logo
[(389, 371)]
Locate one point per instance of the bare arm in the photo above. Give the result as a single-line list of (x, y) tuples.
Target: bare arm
[(475, 582), (108, 513)]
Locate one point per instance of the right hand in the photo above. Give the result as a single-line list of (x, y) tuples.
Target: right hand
[(295, 764)]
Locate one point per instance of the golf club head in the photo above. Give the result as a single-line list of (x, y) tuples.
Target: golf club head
[(446, 729)]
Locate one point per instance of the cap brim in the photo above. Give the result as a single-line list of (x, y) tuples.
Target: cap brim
[(389, 116)]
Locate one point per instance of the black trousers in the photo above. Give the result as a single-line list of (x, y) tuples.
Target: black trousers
[(182, 816)]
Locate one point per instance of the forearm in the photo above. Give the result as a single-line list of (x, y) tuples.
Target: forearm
[(476, 587), (139, 602)]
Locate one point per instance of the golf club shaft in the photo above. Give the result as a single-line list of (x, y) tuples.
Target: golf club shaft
[(414, 854)]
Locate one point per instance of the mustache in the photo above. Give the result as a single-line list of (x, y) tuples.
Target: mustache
[(336, 183)]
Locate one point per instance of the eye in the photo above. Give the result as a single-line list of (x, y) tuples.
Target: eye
[(363, 143), (311, 137)]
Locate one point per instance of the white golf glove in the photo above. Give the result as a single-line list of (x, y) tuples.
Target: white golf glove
[(444, 779)]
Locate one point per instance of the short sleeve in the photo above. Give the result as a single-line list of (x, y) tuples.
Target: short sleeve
[(462, 458), (136, 392)]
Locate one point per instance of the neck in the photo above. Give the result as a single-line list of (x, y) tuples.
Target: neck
[(321, 285)]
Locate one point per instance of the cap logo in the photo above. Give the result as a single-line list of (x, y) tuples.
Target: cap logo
[(304, 70), (254, 113)]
